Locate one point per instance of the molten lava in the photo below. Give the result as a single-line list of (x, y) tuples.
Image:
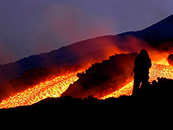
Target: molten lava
[(56, 86), (157, 70), (52, 88)]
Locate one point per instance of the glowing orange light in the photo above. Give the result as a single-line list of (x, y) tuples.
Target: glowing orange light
[(52, 88), (56, 86), (157, 70)]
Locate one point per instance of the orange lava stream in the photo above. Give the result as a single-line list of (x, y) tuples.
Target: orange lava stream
[(157, 70), (56, 86), (52, 88)]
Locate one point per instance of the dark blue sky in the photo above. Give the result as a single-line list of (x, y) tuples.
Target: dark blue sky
[(30, 27)]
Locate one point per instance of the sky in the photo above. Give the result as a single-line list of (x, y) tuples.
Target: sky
[(29, 27)]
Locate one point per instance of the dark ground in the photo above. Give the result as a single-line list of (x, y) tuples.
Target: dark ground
[(150, 108)]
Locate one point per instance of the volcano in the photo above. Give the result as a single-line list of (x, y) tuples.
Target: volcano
[(92, 49), (156, 38)]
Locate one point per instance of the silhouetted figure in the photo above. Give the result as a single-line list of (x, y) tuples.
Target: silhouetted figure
[(141, 70)]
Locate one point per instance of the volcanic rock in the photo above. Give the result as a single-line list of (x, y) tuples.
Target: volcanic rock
[(103, 78)]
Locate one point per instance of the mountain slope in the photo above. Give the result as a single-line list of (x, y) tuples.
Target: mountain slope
[(160, 31), (103, 78), (91, 50), (64, 56), (74, 53)]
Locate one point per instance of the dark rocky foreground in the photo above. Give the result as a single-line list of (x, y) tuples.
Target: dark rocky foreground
[(150, 108)]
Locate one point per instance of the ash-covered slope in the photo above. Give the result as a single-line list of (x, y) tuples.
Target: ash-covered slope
[(103, 78)]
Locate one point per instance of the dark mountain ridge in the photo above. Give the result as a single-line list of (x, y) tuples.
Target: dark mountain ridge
[(72, 54), (160, 31)]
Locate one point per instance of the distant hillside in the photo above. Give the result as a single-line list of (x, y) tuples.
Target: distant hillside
[(92, 50), (160, 31), (69, 55)]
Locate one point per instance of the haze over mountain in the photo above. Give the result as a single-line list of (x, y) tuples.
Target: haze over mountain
[(91, 50), (34, 26)]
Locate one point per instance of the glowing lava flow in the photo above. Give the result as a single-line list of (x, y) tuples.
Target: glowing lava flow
[(55, 87), (157, 70), (52, 88)]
